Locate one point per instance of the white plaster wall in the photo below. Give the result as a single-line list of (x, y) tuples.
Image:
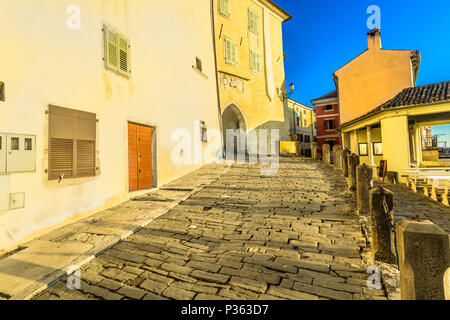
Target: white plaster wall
[(43, 62)]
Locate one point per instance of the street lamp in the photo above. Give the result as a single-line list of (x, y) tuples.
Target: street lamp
[(284, 95)]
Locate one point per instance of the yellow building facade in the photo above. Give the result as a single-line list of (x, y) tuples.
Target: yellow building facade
[(82, 80), (250, 66), (394, 131), (302, 125)]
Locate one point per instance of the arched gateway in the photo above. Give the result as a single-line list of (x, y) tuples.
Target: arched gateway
[(233, 118)]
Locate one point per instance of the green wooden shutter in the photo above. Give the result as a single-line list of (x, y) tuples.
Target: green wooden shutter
[(258, 63), (252, 61), (255, 61), (230, 52), (233, 53), (111, 49), (123, 56), (227, 51), (224, 7), (252, 21)]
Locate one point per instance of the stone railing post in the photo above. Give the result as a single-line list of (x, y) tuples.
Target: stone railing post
[(382, 219), (353, 163), (326, 153), (314, 151), (363, 185), (345, 156), (424, 257), (337, 151)]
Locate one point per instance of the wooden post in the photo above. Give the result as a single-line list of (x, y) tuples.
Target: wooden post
[(345, 162), (353, 163), (363, 185), (382, 219)]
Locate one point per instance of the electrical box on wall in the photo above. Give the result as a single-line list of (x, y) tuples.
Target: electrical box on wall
[(2, 153), (16, 200), (20, 153)]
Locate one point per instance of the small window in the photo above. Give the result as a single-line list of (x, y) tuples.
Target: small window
[(307, 139), (117, 52), (298, 121), (224, 7), (252, 21), (363, 149), (255, 61), (305, 124), (378, 148), (198, 64), (329, 124), (14, 143), (230, 52), (28, 144), (329, 107)]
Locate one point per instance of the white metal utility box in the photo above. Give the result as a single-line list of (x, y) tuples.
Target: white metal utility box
[(2, 153), (17, 153)]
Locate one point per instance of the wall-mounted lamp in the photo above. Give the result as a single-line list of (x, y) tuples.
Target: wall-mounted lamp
[(284, 95), (2, 91)]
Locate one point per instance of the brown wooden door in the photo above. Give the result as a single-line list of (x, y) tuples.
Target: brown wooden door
[(139, 157), (132, 156), (144, 157)]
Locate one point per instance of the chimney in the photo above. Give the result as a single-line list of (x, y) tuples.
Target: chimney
[(374, 39)]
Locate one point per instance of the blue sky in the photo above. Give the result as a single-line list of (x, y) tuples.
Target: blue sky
[(326, 34)]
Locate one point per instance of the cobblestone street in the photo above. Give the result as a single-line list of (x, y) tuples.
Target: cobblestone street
[(292, 235)]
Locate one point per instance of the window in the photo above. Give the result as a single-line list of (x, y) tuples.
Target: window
[(0, 142), (14, 143), (301, 137), (377, 148), (255, 61), (252, 21), (117, 52), (72, 141), (329, 124), (307, 138), (363, 149), (328, 107), (28, 144), (224, 7), (298, 121), (305, 123), (230, 52), (198, 64)]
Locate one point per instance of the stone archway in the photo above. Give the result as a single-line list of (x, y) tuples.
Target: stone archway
[(233, 119)]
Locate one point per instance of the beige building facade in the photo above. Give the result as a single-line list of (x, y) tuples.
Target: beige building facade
[(103, 100)]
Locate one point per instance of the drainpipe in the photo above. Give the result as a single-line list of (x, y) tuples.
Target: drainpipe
[(217, 77)]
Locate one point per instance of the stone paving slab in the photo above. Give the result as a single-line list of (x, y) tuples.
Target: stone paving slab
[(47, 258), (293, 235)]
